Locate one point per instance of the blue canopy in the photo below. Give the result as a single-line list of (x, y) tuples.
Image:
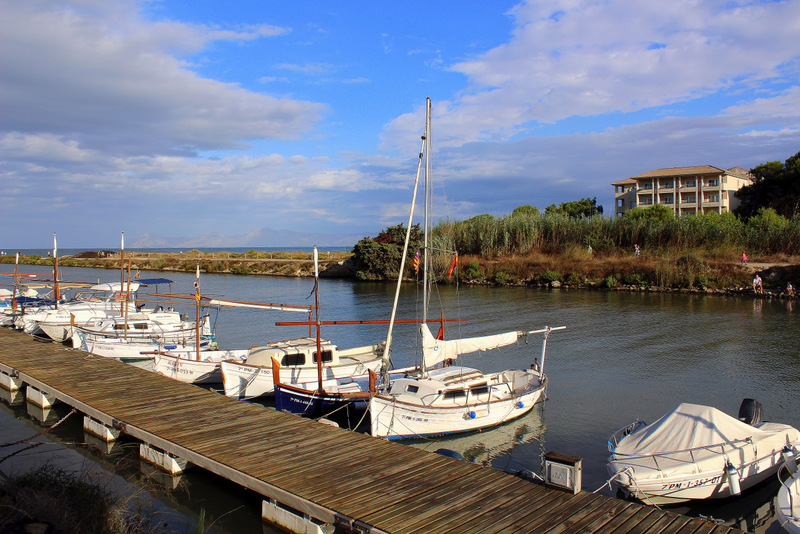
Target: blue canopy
[(153, 281)]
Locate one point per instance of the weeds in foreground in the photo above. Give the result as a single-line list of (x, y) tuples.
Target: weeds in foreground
[(74, 502)]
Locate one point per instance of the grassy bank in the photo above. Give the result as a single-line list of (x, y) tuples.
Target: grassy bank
[(571, 266)]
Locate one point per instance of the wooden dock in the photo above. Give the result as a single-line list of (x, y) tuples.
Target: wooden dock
[(353, 481)]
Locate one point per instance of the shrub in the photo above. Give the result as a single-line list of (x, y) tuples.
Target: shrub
[(574, 279), (632, 280), (502, 278), (610, 281), (473, 271), (550, 276)]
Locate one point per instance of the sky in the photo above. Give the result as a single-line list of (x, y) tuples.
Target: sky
[(257, 122)]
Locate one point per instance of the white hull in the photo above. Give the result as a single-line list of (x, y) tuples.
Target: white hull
[(395, 418), (132, 351), (787, 503), (697, 452), (707, 484), (244, 381), (185, 368)]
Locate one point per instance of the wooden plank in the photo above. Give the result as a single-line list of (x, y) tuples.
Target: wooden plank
[(542, 522), (641, 517), (600, 511), (462, 511), (426, 511)]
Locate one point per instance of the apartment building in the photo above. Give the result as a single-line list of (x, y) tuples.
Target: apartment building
[(687, 190)]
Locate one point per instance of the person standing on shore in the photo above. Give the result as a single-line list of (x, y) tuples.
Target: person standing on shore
[(789, 289), (744, 258), (758, 286), (636, 250)]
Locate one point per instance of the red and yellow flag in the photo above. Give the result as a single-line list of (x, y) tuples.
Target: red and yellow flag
[(453, 265)]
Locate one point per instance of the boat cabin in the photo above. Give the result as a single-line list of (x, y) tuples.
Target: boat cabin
[(300, 352)]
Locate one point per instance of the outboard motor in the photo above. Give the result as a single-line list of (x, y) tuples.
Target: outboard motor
[(751, 412)]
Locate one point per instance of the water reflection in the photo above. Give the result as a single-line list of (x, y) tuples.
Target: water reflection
[(494, 447)]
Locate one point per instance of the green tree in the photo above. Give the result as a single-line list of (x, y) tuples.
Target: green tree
[(584, 207), (527, 209), (776, 185), (379, 258), (657, 212)]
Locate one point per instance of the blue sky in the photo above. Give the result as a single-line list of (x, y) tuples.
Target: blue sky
[(233, 123)]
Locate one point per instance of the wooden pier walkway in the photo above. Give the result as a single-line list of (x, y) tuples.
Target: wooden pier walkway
[(351, 480)]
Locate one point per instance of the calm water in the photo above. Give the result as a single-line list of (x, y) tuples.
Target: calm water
[(623, 356)]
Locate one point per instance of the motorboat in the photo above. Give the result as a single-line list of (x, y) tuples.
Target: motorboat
[(698, 452)]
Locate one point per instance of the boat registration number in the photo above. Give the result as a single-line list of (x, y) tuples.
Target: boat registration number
[(692, 483)]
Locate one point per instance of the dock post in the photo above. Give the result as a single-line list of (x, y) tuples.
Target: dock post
[(292, 520), (10, 381), (100, 430), (166, 461), (39, 398)]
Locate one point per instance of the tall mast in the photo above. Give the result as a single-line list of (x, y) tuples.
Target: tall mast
[(55, 269), (387, 348), (426, 259), (16, 283), (319, 324), (122, 262), (197, 312)]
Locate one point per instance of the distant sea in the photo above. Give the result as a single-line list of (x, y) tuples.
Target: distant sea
[(73, 251)]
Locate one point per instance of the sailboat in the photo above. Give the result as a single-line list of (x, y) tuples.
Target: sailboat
[(434, 398), (440, 398)]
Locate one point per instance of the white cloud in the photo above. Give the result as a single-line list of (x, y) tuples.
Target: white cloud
[(586, 58), (109, 80)]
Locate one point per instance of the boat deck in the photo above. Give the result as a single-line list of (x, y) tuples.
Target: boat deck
[(352, 480)]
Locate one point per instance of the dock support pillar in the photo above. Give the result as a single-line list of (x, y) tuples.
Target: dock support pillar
[(100, 430), (10, 382), (166, 461), (39, 398), (292, 520)]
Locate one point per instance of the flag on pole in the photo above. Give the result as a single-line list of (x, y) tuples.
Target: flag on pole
[(453, 265), (416, 262)]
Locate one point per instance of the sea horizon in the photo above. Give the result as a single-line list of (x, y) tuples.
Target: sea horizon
[(178, 250)]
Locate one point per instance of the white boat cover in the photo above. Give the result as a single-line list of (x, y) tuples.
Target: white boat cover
[(115, 286), (687, 427), (437, 350)]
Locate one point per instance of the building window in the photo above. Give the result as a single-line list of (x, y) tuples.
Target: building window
[(668, 185), (690, 183), (667, 200), (647, 186), (713, 182), (712, 198)]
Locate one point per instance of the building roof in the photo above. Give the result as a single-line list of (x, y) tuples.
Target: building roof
[(626, 181), (682, 171), (742, 173)]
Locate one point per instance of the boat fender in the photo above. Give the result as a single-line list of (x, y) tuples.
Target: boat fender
[(733, 479), (751, 412), (520, 404), (789, 459), (472, 415)]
